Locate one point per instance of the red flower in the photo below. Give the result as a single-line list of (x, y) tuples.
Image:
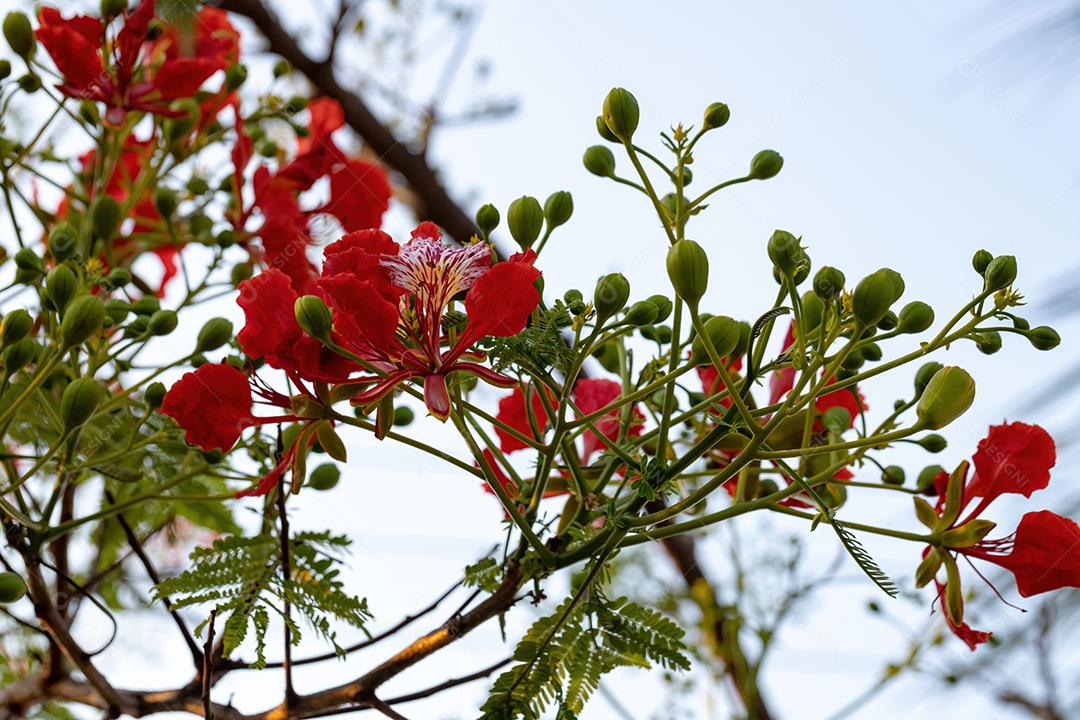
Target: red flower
[(593, 395), (132, 79), (1044, 552), (425, 274), (512, 412)]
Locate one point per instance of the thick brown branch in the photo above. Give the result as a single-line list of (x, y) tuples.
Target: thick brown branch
[(438, 206)]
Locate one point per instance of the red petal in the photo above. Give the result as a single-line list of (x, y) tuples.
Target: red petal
[(1045, 553), (359, 194), (437, 397), (212, 404), (512, 412), (182, 77), (75, 47), (593, 395), (501, 300), (1013, 458)]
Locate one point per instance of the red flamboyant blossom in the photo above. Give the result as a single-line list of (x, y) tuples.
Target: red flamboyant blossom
[(134, 71), (1044, 552), (388, 307), (214, 406)]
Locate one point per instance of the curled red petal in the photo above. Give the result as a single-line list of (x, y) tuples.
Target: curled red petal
[(1012, 458), (1044, 554), (502, 299)]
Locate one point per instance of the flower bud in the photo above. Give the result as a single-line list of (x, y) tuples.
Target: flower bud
[(873, 296), (621, 113), (981, 261), (240, 272), (82, 319), (215, 333), (165, 202), (487, 218), (599, 161), (525, 218), (828, 282), (29, 83), (836, 419), (604, 131), (888, 321), (235, 76), (324, 477), (313, 316), (15, 326), (641, 313), (893, 475), (813, 310), (117, 278), (63, 241), (988, 342), (79, 401), (17, 355), (716, 115), (785, 251), (915, 317), (19, 34), (947, 396), (162, 322), (612, 292), (871, 351), (766, 164), (281, 69), (146, 306), (104, 216), (1043, 338), (12, 587), (1000, 273), (688, 270), (154, 394), (558, 208), (61, 286), (403, 416), (924, 483), (116, 311), (663, 307), (723, 334), (28, 261), (933, 443)]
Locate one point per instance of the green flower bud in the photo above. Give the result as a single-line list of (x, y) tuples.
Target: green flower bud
[(117, 311), (724, 335), (15, 326), (28, 261), (313, 316), (716, 115), (61, 286), (610, 296), (558, 208), (572, 296), (324, 477), (854, 360), (988, 342), (240, 272), (915, 317), (607, 356), (836, 419), (641, 313), (165, 201), (136, 328), (887, 322), (296, 104), (525, 218), (403, 416), (893, 475), (621, 113), (924, 483), (82, 319), (873, 296), (63, 241), (487, 218), (1000, 273), (154, 394), (105, 216), (828, 283), (198, 185), (813, 309), (88, 111), (19, 34), (5, 69), (1021, 324), (197, 361), (215, 333), (29, 83), (281, 69), (162, 322), (225, 239), (79, 401), (17, 355), (12, 587), (947, 396), (933, 443), (235, 76), (663, 306), (146, 305), (871, 351), (267, 148), (785, 251), (688, 270), (766, 164), (981, 261), (687, 176), (117, 278), (599, 161), (604, 130), (1044, 338)]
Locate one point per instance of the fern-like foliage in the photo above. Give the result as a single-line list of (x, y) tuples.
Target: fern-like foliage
[(540, 345), (563, 656), (242, 578)]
